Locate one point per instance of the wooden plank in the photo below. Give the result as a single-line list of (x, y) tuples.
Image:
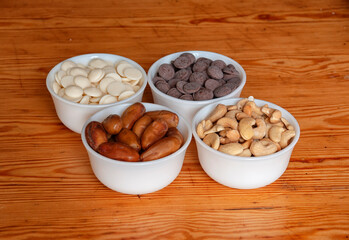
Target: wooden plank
[(295, 54)]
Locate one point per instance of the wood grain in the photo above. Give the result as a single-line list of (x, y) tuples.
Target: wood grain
[(296, 55)]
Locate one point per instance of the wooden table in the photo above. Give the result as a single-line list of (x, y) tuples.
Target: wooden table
[(295, 53)]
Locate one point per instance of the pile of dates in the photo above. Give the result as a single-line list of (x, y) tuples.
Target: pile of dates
[(136, 135)]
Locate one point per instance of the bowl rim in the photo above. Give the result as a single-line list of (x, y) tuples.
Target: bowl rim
[(92, 56), (235, 63), (152, 162), (238, 158)]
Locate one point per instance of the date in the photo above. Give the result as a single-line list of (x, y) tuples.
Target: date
[(170, 117), (132, 114), (135, 135), (118, 151), (141, 124), (161, 148), (129, 138), (112, 124), (95, 134), (155, 131)]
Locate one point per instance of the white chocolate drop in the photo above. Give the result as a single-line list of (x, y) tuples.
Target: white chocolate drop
[(56, 87), (96, 75), (59, 75), (114, 75), (109, 69), (61, 92), (75, 71), (82, 81), (104, 83), (96, 85), (125, 94), (95, 99), (85, 100), (107, 99), (115, 88), (134, 82), (128, 87), (80, 65), (93, 92), (98, 82), (67, 64), (133, 73), (97, 63), (72, 99), (67, 81), (124, 79), (122, 65), (74, 91)]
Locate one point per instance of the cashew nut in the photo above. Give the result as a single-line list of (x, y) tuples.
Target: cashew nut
[(278, 146), (233, 135), (231, 148), (232, 107), (266, 110), (203, 126), (275, 133), (242, 103), (275, 116), (228, 122), (287, 124), (268, 126), (280, 124), (214, 129), (217, 113), (212, 140), (254, 108), (260, 130), (263, 147), (225, 140), (247, 143), (232, 113), (255, 115), (229, 135), (223, 133), (286, 137), (247, 109), (245, 128), (245, 153), (241, 115)]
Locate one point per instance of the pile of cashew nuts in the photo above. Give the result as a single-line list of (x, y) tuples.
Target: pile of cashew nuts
[(245, 129)]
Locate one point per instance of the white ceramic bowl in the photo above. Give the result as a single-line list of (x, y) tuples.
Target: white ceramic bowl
[(137, 177), (243, 172), (74, 115), (185, 107)]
